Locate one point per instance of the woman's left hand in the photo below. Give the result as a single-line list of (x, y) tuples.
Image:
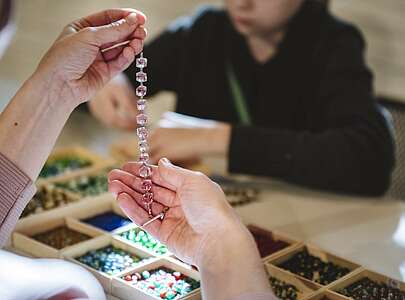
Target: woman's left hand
[(75, 68)]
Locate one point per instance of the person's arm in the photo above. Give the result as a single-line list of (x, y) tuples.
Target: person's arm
[(69, 74), (353, 154)]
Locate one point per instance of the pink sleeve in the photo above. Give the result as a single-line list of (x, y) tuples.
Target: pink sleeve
[(16, 190), (256, 296)]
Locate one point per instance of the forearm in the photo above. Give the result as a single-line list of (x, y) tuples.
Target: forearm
[(31, 123), (233, 267)]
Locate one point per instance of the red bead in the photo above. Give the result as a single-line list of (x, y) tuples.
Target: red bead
[(177, 275), (128, 278), (163, 295)]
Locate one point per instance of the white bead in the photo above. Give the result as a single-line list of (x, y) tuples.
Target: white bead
[(142, 133), (141, 91), (141, 62), (145, 171), (144, 157), (142, 119), (141, 77), (141, 104)]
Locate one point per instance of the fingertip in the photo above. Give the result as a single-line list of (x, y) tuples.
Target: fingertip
[(141, 17), (165, 162), (133, 19)]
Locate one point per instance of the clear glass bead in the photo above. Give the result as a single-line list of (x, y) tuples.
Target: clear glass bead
[(144, 156), (142, 119), (141, 62), (146, 185), (145, 171), (141, 76), (143, 146), (147, 197), (141, 91), (142, 133), (141, 104)]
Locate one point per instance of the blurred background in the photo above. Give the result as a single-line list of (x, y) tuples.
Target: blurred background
[(40, 21)]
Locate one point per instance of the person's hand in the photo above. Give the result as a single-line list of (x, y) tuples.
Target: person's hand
[(74, 68), (198, 217), (115, 104), (200, 227), (189, 144)]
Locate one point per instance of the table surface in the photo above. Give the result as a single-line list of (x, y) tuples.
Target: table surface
[(370, 232)]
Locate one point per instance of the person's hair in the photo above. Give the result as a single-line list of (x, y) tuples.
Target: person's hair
[(5, 12)]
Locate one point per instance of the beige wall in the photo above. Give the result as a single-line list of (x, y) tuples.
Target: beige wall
[(383, 22)]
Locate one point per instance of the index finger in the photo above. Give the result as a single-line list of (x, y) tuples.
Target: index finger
[(111, 15)]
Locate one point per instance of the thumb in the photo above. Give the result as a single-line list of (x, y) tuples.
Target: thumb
[(115, 31), (173, 175)]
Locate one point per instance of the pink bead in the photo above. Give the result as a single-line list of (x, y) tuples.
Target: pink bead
[(141, 62), (142, 119), (141, 76), (141, 91), (144, 157), (142, 133), (141, 104), (146, 185), (147, 198), (145, 171)]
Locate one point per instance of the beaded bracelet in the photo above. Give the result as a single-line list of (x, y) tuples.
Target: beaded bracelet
[(145, 171)]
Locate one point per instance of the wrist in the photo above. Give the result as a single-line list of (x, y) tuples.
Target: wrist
[(221, 248), (52, 90), (231, 266)]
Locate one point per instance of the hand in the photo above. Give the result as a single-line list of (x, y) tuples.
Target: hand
[(74, 67), (115, 104), (189, 144), (198, 216), (200, 227)]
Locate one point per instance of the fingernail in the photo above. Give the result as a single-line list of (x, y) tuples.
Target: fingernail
[(165, 161), (132, 19), (115, 195)]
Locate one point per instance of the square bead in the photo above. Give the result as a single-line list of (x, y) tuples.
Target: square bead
[(143, 146), (144, 156), (142, 119), (141, 91), (142, 133), (146, 185), (141, 62), (141, 104), (145, 171), (141, 76), (147, 197)]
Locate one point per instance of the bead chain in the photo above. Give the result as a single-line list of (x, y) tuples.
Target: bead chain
[(145, 171)]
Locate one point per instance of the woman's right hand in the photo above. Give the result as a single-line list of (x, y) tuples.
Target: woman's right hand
[(200, 227), (115, 104)]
